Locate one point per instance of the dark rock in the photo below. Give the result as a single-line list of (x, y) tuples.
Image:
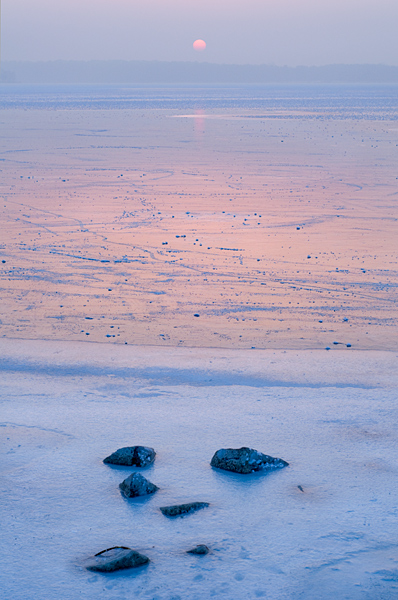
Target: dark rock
[(201, 550), (137, 485), (182, 509), (114, 559), (245, 460), (132, 456)]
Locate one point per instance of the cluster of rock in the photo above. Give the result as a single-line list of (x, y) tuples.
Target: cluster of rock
[(241, 460)]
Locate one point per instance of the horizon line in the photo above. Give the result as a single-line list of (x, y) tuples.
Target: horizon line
[(198, 62)]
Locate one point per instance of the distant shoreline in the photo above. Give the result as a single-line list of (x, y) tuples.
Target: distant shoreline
[(158, 72)]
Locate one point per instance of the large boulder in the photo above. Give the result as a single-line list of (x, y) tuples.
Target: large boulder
[(136, 485), (245, 460), (132, 456), (179, 510), (115, 559)]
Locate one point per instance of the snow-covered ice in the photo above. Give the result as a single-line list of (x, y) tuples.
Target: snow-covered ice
[(324, 527)]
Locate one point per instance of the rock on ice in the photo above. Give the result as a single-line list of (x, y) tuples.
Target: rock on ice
[(245, 460), (200, 550), (136, 485), (114, 559), (179, 510), (137, 456)]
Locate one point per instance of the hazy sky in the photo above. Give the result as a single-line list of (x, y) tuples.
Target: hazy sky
[(291, 32)]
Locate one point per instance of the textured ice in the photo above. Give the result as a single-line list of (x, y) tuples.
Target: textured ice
[(326, 527)]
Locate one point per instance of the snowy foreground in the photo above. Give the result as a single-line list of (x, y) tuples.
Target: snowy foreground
[(331, 415)]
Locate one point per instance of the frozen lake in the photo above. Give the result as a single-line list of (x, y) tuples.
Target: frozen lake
[(174, 264), (269, 212), (332, 416)]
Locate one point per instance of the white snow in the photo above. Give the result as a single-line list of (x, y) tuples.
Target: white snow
[(332, 415)]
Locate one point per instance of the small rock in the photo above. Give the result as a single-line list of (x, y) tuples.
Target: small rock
[(137, 456), (182, 509), (245, 460), (201, 550), (114, 559), (137, 485)]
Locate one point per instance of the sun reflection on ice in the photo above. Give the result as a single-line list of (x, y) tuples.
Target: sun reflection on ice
[(199, 123)]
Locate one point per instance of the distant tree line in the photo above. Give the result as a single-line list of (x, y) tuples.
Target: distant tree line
[(157, 72)]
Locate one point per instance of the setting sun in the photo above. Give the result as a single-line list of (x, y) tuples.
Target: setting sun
[(199, 45)]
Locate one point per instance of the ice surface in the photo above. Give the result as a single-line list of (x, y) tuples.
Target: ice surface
[(325, 527), (258, 216), (221, 219)]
